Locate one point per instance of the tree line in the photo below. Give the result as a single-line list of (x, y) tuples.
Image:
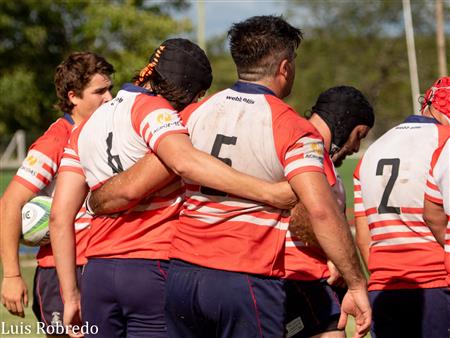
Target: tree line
[(354, 43)]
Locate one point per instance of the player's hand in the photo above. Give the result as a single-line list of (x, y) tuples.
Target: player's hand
[(356, 303), (335, 276), (282, 196), (15, 295), (72, 316)]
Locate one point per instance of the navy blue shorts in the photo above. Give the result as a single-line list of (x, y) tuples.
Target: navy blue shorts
[(410, 313), (125, 297), (205, 303), (47, 301), (312, 307)]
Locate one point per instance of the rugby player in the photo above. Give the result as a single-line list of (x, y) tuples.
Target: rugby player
[(124, 280), (82, 84), (407, 286), (227, 254), (343, 117)]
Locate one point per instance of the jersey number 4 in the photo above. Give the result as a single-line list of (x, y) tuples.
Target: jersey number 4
[(113, 160), (220, 139), (383, 208)]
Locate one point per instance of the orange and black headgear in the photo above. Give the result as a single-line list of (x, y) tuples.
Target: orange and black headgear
[(181, 62)]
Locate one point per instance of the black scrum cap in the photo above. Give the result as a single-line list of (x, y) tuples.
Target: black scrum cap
[(343, 108), (181, 62)]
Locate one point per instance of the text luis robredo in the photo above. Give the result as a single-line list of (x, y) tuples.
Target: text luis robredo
[(40, 328)]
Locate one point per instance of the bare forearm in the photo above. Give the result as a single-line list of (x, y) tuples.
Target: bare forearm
[(202, 168), (70, 193), (343, 255), (63, 243), (14, 198), (10, 236), (329, 225), (362, 237), (436, 219), (124, 190)]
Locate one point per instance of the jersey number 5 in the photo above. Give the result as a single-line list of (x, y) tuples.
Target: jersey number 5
[(383, 208), (220, 139)]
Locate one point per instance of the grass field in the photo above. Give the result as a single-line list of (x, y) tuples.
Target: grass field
[(28, 263)]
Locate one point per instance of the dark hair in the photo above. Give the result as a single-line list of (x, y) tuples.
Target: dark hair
[(75, 73), (178, 70), (343, 108), (260, 43)]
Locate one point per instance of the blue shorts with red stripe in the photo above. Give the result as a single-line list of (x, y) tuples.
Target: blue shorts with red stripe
[(125, 297), (410, 313), (206, 303), (48, 306), (312, 307)]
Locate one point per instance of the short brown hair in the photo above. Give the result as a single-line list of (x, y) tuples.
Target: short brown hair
[(260, 43), (75, 72)]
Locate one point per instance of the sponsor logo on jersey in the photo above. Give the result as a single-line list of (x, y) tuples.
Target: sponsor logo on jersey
[(31, 160), (317, 148), (163, 118)]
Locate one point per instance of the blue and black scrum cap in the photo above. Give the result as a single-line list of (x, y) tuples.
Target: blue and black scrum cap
[(343, 108), (182, 63)]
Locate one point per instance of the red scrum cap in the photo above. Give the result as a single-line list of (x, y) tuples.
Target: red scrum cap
[(438, 96)]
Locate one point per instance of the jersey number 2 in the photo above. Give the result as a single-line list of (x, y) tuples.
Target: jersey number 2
[(383, 208), (220, 139)]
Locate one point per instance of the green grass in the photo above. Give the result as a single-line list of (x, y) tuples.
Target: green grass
[(5, 177), (28, 266)]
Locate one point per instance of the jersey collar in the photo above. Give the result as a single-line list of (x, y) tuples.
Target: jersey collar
[(69, 118), (420, 119), (251, 88), (129, 87)]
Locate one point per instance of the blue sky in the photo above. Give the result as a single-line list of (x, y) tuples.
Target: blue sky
[(219, 15)]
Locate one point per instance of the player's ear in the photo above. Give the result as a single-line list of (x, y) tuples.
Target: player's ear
[(284, 67), (73, 97), (199, 96)]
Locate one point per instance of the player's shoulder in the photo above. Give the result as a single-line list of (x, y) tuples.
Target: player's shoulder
[(151, 102), (54, 138), (189, 109), (284, 111)]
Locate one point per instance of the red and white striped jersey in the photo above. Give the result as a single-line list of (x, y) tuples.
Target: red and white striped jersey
[(304, 262), (389, 185), (438, 191), (114, 137), (38, 173), (252, 130)]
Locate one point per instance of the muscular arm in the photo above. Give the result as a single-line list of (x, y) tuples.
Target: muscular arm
[(123, 191), (71, 190), (362, 237), (14, 289), (176, 151), (436, 219), (333, 234)]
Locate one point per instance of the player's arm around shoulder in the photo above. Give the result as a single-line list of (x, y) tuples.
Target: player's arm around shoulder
[(126, 189), (14, 289), (178, 153)]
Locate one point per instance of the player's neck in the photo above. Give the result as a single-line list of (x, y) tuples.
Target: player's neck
[(322, 128)]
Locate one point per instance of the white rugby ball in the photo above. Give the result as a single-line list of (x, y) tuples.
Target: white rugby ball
[(35, 218)]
